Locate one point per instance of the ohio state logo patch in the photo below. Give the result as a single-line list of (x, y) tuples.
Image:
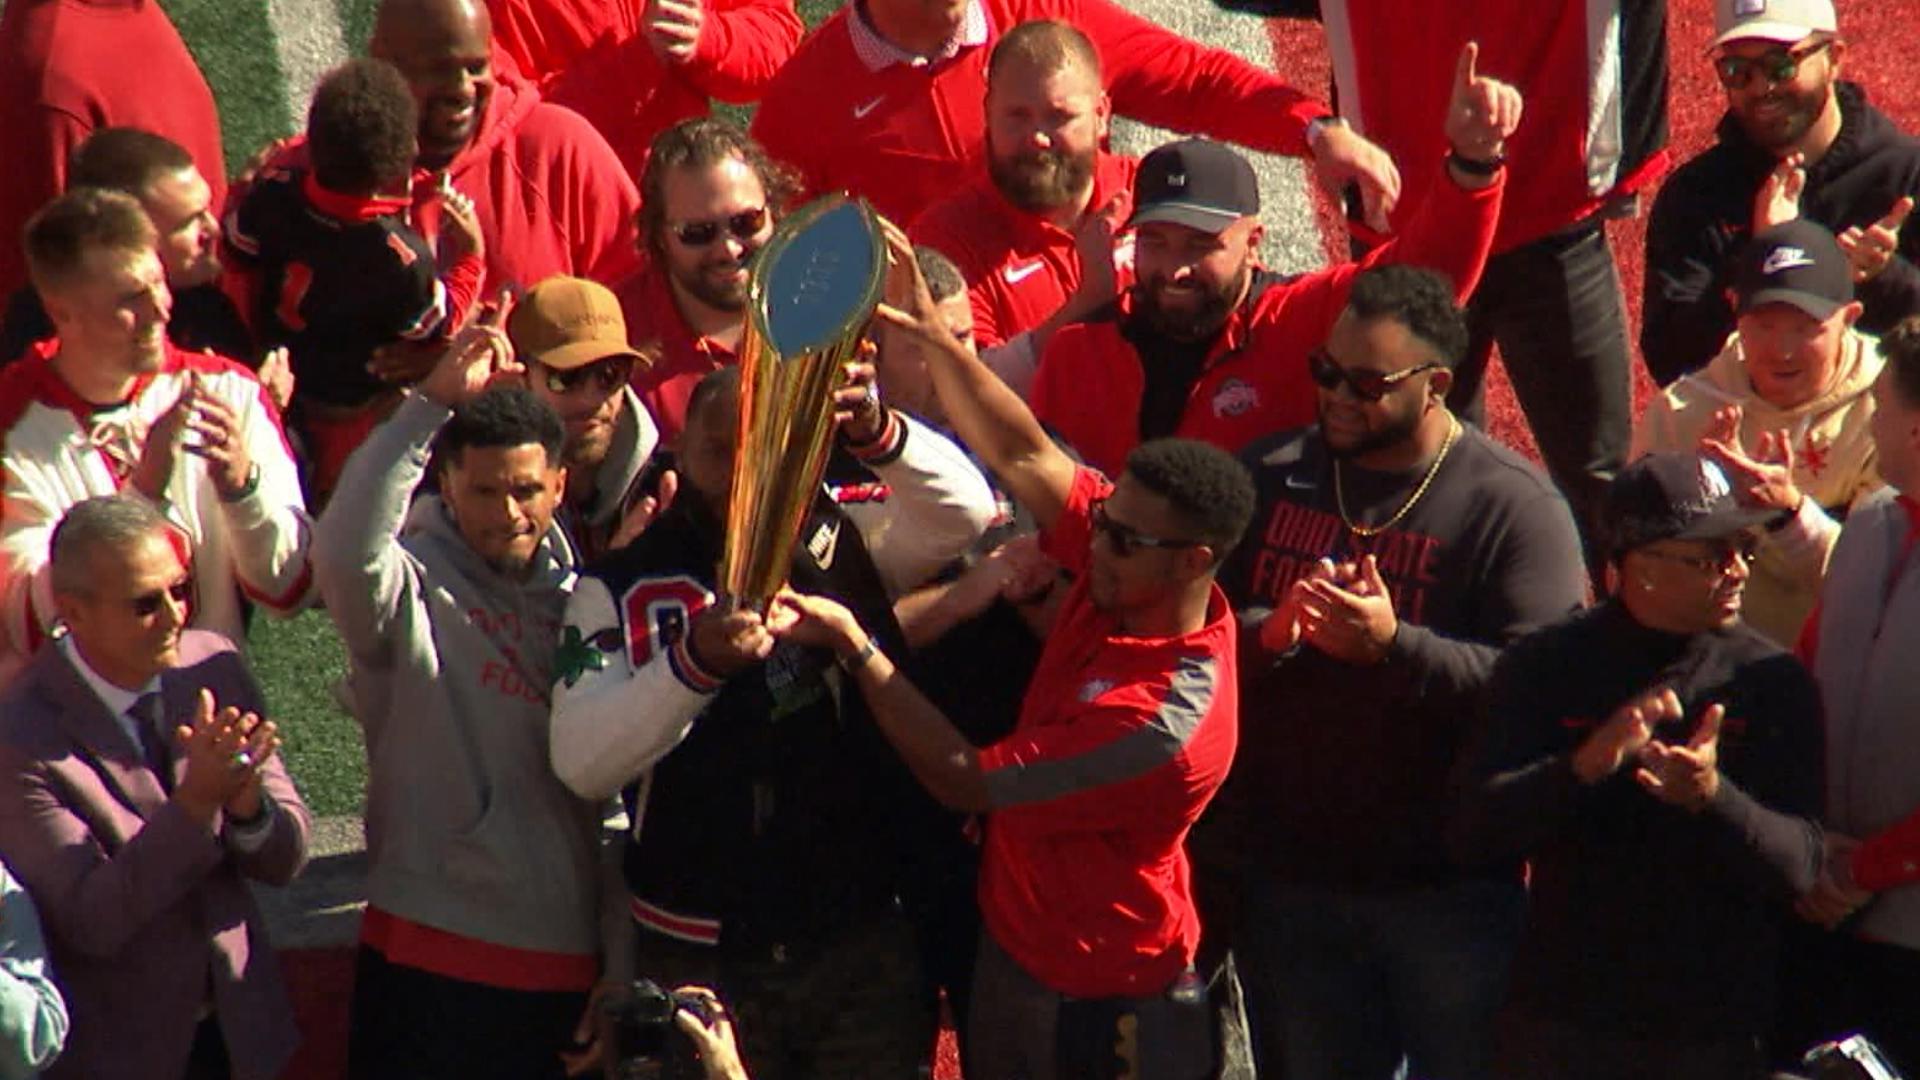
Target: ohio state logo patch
[(1235, 398)]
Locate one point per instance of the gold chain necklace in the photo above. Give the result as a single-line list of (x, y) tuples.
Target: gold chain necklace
[(1370, 531)]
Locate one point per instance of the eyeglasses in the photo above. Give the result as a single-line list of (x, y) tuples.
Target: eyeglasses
[(744, 225), (1126, 539), (1365, 385), (1775, 65), (1744, 547), (610, 373), (147, 605)]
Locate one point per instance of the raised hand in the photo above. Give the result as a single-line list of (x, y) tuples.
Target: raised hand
[(219, 440), (1623, 734), (645, 510), (1343, 156), (1093, 243), (1482, 112), (216, 775), (1763, 478), (728, 641), (1349, 615), (460, 232), (1778, 200), (856, 405), (165, 440), (478, 357), (1685, 776), (673, 28), (276, 374), (1872, 248)]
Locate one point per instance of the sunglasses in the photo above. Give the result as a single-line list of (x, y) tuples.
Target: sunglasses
[(744, 225), (1126, 539), (1743, 547), (1365, 385), (147, 605), (1775, 65), (609, 373)]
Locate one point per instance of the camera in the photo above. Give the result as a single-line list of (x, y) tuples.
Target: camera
[(641, 1040)]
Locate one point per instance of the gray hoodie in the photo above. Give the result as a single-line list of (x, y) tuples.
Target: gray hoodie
[(468, 829)]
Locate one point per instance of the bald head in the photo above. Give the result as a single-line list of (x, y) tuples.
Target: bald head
[(444, 49)]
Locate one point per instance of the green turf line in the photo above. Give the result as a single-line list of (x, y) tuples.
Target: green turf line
[(234, 46), (356, 23)]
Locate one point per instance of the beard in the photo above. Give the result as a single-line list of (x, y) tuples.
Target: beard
[(1396, 430), (1042, 180), (1198, 324), (1797, 112), (721, 296)]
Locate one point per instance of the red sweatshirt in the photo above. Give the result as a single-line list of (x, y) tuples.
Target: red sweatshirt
[(1254, 381), (1595, 91), (1020, 268), (594, 59), (903, 135), (66, 68), (679, 360)]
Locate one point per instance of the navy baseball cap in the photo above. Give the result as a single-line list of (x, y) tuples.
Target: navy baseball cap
[(1798, 263), (1198, 183), (1675, 495)]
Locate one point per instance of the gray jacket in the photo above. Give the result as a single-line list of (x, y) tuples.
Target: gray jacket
[(468, 829), (1869, 635)]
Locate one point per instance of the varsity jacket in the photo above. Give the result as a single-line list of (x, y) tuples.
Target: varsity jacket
[(759, 802), (1833, 464), (1253, 380), (902, 135), (1868, 631), (57, 449), (1594, 76), (1703, 219)]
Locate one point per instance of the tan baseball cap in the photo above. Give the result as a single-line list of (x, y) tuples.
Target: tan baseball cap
[(568, 322), (1772, 20)]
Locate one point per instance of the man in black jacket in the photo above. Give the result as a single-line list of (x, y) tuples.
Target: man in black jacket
[(1796, 142), (1658, 764)]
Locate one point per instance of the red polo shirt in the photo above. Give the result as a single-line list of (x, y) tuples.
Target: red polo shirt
[(1020, 268), (681, 359), (1254, 381), (1122, 741), (903, 135)]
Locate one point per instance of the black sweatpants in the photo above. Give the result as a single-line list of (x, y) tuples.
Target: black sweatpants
[(408, 1024)]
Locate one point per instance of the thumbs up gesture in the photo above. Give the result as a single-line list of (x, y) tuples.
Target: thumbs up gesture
[(1482, 113)]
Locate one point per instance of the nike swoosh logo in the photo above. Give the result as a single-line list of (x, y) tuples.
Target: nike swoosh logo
[(1017, 274), (860, 111), (1300, 483)]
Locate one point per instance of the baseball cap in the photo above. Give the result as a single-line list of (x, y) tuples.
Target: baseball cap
[(1771, 20), (568, 322), (1198, 183), (1799, 263), (1675, 495)]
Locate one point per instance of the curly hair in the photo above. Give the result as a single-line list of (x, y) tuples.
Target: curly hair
[(361, 128), (1901, 347), (503, 417), (1212, 492), (699, 144), (1417, 298)]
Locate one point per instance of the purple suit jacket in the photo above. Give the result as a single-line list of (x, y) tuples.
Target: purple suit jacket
[(145, 909)]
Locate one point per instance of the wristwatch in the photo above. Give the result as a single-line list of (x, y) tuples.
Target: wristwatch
[(252, 485), (1476, 168)]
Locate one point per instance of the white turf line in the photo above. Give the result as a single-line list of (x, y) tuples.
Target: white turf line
[(307, 38), (1293, 235)]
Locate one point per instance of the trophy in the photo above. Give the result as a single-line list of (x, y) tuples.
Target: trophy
[(811, 290)]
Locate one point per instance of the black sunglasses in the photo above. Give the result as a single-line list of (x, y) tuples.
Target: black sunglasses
[(1775, 65), (1365, 385), (147, 605), (1745, 547), (744, 225), (609, 372), (1126, 539)]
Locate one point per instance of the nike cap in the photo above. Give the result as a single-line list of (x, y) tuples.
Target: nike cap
[(1798, 263), (567, 322), (1675, 495), (1198, 183), (1785, 21)]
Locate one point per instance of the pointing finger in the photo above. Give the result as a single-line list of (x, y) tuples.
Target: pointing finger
[(1463, 69), (1897, 216), (1709, 730)]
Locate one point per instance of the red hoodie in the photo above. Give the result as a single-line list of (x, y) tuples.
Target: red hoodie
[(594, 58), (905, 135), (69, 67)]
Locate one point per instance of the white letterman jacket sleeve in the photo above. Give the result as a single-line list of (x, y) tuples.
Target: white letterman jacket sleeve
[(271, 534), (938, 505)]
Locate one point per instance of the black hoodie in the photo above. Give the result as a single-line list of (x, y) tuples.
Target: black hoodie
[(1703, 219)]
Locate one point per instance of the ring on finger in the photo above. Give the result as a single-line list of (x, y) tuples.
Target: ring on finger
[(242, 760)]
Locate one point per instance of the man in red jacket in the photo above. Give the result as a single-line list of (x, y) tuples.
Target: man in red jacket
[(1050, 187), (1208, 345), (884, 99), (634, 68), (68, 67)]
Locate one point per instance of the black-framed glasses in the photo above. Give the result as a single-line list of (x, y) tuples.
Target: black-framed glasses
[(744, 225), (1744, 547), (147, 605), (1126, 539), (1365, 385), (608, 373), (1776, 65)]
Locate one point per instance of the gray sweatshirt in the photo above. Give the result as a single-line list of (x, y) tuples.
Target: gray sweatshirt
[(468, 829)]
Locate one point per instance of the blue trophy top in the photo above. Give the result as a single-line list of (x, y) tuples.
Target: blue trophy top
[(823, 280)]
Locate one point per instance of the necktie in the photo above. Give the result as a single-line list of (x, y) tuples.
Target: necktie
[(146, 721)]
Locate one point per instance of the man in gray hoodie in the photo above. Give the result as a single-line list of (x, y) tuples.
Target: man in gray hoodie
[(480, 940)]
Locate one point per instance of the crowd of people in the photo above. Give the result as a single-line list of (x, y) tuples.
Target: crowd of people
[(1169, 669)]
